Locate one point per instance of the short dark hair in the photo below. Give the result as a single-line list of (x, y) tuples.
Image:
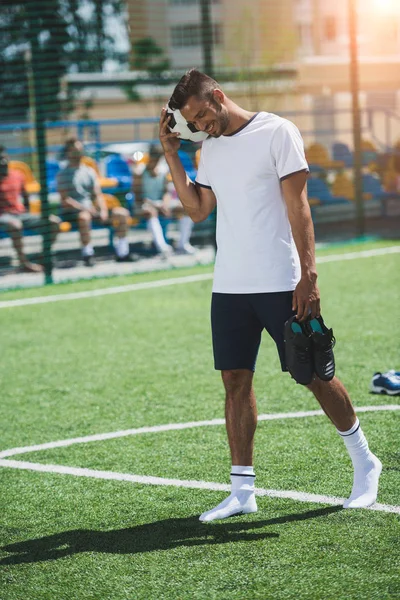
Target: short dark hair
[(155, 151), (69, 142), (193, 83)]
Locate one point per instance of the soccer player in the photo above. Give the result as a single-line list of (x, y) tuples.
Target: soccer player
[(253, 168)]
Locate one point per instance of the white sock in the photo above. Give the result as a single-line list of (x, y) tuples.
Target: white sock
[(154, 225), (122, 247), (241, 500), (367, 468), (87, 250), (185, 228)]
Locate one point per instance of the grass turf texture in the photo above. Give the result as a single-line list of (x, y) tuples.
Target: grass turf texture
[(144, 358)]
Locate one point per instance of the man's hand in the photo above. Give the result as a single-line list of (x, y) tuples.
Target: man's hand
[(103, 213), (169, 141), (306, 298), (94, 211)]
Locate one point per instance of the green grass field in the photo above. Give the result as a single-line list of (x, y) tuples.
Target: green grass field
[(143, 358)]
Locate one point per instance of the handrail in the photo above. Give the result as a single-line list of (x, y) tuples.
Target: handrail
[(95, 126)]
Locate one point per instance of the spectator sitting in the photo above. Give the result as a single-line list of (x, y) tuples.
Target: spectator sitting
[(82, 201), (14, 216), (154, 199)]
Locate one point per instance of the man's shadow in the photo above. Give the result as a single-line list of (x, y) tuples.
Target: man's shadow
[(160, 535)]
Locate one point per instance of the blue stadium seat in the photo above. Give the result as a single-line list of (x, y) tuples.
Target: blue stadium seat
[(342, 152), (372, 185), (187, 164), (317, 188), (118, 168), (52, 168)]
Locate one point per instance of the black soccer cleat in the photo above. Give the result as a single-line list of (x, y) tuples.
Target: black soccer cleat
[(298, 352), (323, 342)]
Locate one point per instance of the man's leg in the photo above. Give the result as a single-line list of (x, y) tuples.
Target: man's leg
[(335, 402), (84, 225), (153, 224), (14, 227), (240, 414), (119, 218), (54, 227), (241, 423), (236, 334), (185, 231)]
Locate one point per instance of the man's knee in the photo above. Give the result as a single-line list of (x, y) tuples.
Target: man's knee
[(84, 218), (236, 378), (14, 226), (55, 222), (121, 212), (317, 384)]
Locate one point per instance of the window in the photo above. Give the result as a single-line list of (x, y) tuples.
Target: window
[(186, 36), (330, 29), (190, 2)]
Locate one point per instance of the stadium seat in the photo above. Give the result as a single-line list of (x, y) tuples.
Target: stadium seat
[(372, 186), (113, 202), (317, 154), (317, 188), (31, 185), (118, 168), (342, 152), (343, 186), (105, 182), (187, 164), (369, 152), (52, 168)]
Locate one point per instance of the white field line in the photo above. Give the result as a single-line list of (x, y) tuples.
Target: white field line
[(175, 281), (204, 485), (360, 254), (176, 426)]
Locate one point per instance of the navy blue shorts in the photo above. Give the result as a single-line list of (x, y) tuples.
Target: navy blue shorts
[(237, 322)]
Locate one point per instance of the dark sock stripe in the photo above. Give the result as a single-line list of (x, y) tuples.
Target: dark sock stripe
[(348, 434), (241, 475)]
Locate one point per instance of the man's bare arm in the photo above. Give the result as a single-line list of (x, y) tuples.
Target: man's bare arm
[(306, 296), (198, 202), (68, 202)]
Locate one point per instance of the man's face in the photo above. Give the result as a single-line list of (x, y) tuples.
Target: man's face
[(153, 162), (3, 165), (210, 116), (75, 152)]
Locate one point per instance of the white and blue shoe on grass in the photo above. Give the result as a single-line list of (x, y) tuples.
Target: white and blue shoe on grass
[(386, 383)]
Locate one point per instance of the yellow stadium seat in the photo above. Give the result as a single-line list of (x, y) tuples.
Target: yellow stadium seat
[(317, 154), (31, 185), (111, 201), (368, 146), (343, 186), (105, 182)]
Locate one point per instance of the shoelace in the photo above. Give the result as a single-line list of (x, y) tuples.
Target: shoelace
[(328, 347), (302, 354)]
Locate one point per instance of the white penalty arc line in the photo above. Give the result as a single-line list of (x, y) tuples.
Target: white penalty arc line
[(177, 426), (190, 484), (175, 281)]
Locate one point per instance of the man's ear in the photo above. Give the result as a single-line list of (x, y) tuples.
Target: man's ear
[(219, 96)]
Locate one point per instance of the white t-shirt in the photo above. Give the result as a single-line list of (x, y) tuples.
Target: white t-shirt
[(256, 251)]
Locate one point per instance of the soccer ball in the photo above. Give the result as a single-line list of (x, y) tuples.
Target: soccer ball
[(187, 131)]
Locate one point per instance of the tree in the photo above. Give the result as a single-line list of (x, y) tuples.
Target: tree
[(70, 40), (15, 34), (148, 56)]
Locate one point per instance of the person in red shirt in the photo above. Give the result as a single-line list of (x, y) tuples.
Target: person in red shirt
[(13, 214)]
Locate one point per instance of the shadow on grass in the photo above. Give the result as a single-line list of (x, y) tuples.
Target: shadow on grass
[(160, 535)]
